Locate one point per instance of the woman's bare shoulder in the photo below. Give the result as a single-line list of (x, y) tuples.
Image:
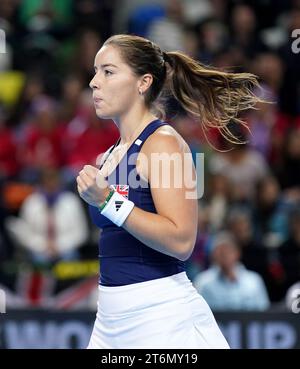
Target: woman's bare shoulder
[(165, 139)]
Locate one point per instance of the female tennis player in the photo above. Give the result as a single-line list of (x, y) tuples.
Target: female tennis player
[(148, 221)]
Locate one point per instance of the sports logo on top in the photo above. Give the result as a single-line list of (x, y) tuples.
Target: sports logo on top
[(121, 189)]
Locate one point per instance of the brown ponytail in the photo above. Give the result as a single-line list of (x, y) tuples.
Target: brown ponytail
[(213, 97)]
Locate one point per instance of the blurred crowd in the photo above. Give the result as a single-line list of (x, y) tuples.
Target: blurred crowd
[(247, 253)]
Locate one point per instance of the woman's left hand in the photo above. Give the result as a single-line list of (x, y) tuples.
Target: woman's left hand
[(92, 185)]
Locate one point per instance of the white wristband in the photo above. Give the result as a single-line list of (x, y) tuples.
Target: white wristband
[(117, 209)]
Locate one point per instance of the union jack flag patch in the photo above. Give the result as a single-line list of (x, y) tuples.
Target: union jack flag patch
[(121, 189)]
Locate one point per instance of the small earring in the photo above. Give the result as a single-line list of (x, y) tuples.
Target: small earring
[(141, 92)]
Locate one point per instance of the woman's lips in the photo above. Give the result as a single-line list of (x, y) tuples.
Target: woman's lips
[(97, 100)]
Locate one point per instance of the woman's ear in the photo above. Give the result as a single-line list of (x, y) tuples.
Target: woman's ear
[(145, 82)]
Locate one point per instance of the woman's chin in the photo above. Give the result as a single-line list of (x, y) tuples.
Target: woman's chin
[(102, 115)]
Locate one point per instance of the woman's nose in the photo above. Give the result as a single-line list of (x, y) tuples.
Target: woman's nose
[(94, 83)]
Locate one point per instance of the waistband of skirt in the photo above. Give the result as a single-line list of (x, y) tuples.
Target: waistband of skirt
[(138, 296), (153, 283)]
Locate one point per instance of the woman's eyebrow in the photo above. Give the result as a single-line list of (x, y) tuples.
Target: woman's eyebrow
[(105, 65)]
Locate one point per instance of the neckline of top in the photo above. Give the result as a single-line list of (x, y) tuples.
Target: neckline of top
[(126, 153), (119, 139)]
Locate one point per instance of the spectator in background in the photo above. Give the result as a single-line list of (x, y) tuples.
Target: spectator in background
[(228, 285), (72, 88), (8, 150), (269, 67), (52, 223), (219, 200), (261, 122), (168, 32), (23, 112), (42, 146), (242, 166), (244, 36), (269, 213), (269, 124), (253, 254), (289, 172), (289, 251), (212, 36)]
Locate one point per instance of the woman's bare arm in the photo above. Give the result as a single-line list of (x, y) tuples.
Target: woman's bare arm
[(173, 229)]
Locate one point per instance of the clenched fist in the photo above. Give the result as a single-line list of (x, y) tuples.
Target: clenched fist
[(92, 186)]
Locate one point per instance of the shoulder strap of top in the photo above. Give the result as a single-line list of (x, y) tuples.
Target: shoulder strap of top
[(152, 127), (138, 143), (107, 153)]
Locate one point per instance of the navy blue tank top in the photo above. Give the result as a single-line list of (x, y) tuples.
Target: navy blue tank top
[(123, 258)]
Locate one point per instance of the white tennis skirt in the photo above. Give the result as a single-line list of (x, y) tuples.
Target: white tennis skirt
[(165, 313)]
